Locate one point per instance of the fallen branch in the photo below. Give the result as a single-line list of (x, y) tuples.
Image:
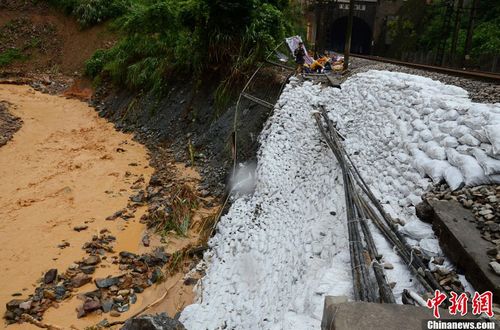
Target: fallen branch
[(154, 303), (30, 319)]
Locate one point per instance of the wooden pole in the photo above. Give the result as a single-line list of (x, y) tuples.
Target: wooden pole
[(348, 35)]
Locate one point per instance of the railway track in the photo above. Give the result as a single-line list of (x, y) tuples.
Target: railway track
[(481, 75)]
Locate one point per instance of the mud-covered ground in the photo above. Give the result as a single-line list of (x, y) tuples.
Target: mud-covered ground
[(81, 202)]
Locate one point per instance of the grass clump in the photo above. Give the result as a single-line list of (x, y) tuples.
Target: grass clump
[(178, 217), (10, 55)]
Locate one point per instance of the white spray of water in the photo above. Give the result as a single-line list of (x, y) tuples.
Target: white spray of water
[(244, 178)]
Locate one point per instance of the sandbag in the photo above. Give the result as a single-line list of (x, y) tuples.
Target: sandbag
[(447, 126), (430, 247), (426, 135), (493, 135), (426, 166), (434, 150), (418, 230), (470, 168), (454, 178), (489, 165), (469, 140), (459, 131), (449, 142)]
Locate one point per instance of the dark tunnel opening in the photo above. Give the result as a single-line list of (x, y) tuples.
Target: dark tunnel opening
[(361, 36)]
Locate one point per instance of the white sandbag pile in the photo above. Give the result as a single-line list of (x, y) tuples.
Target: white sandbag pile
[(447, 137)]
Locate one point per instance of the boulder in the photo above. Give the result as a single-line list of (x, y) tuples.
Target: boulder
[(153, 322)]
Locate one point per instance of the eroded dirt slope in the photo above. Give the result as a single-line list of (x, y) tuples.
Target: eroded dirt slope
[(49, 41)]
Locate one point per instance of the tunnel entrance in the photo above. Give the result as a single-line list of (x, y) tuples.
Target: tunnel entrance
[(361, 36)]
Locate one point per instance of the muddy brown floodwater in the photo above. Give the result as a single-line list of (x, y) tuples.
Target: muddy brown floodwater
[(62, 169)]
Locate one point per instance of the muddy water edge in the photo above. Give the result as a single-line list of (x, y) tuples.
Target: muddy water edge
[(69, 180)]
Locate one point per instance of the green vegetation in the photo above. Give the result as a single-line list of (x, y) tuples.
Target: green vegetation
[(191, 38), (178, 218), (420, 27), (10, 55), (90, 12)]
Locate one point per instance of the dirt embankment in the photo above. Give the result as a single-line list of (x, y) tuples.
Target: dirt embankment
[(187, 120), (43, 40)]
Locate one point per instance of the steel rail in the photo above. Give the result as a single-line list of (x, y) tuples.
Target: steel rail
[(456, 72)]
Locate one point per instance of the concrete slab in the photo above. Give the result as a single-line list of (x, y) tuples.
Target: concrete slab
[(363, 315), (462, 242)]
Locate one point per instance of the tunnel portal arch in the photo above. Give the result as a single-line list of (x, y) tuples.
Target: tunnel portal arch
[(361, 36)]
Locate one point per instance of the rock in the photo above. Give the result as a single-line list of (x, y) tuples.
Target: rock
[(107, 282), (50, 276), (494, 227), (116, 215), (9, 316), (128, 255), (48, 294), (92, 260), (59, 291), (468, 203), (145, 240), (496, 267), (115, 314), (118, 299), (485, 211), (91, 305), (87, 269), (103, 324), (489, 216), (123, 309), (73, 266), (492, 252), (153, 322), (80, 280), (138, 289), (63, 245), (139, 197), (190, 281), (132, 298), (388, 265), (204, 193), (13, 304), (156, 275), (124, 292), (97, 294), (442, 271), (80, 228), (107, 305)]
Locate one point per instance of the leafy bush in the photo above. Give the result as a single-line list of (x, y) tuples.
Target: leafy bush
[(223, 37), (95, 64), (90, 12), (10, 55)]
